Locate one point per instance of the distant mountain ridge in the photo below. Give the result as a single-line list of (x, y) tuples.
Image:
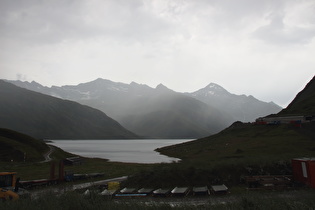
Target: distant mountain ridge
[(47, 117), (160, 112), (240, 107)]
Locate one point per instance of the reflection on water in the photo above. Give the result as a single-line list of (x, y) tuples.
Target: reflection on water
[(131, 151)]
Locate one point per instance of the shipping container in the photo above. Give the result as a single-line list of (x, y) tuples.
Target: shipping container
[(304, 171)]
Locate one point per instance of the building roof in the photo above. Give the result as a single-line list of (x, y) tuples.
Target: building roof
[(218, 188), (145, 190), (161, 191), (127, 190), (200, 189), (305, 159), (179, 190)]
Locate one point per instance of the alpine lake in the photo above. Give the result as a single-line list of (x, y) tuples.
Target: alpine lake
[(127, 151)]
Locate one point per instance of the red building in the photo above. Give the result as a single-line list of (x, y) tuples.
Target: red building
[(304, 171)]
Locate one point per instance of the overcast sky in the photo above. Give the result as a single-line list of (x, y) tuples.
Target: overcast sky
[(264, 48)]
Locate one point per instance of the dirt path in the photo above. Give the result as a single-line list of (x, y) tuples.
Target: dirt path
[(47, 155)]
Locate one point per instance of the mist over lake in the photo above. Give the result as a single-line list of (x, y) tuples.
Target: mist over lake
[(129, 151)]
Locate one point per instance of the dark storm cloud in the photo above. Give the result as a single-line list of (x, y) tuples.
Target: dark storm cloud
[(278, 32), (44, 21), (55, 21), (184, 44)]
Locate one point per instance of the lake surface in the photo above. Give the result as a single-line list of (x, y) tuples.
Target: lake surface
[(130, 151)]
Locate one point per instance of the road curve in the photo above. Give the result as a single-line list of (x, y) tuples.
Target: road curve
[(47, 155)]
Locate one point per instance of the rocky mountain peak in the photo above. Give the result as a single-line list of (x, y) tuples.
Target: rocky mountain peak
[(211, 90), (161, 87), (214, 86)]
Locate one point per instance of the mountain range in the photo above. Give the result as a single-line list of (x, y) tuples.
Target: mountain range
[(47, 117), (243, 149), (261, 148), (240, 107), (160, 112)]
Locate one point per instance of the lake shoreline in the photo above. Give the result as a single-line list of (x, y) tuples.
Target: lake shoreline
[(141, 151)]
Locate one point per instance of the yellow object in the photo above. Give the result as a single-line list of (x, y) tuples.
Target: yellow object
[(7, 179), (113, 185), (8, 194), (7, 185)]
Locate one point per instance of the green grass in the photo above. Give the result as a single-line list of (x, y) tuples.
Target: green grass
[(299, 200), (253, 144), (35, 170), (16, 146)]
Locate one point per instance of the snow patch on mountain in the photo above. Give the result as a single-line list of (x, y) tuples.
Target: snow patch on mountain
[(118, 88), (211, 90)]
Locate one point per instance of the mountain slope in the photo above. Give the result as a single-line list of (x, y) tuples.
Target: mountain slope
[(43, 116), (252, 143), (247, 144), (303, 103), (240, 107), (19, 147), (160, 112), (174, 115)]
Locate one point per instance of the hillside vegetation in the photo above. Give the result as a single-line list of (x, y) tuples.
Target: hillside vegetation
[(248, 143), (16, 146)]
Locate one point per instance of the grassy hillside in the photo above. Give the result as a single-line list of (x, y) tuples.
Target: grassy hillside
[(248, 143), (14, 146)]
